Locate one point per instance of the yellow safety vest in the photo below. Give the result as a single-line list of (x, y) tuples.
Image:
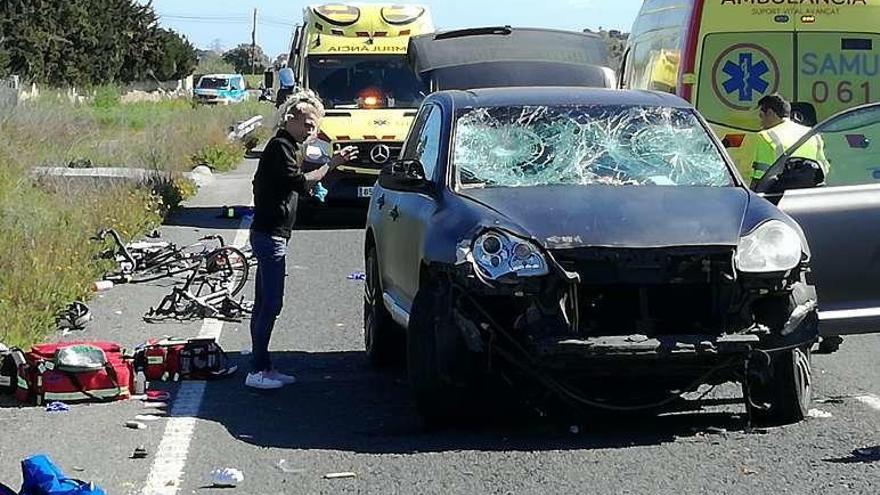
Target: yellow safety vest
[(772, 143)]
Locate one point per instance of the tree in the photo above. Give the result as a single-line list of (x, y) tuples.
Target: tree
[(89, 42), (240, 58), (213, 63), (178, 59)]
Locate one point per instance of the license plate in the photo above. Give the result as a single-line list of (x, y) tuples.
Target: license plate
[(365, 192)]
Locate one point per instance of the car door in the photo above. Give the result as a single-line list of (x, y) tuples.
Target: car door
[(384, 214), (417, 207), (841, 220)]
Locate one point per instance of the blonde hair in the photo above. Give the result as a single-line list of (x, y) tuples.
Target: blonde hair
[(300, 101)]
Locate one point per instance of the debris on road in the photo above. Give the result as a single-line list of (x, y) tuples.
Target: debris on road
[(102, 285), (226, 477), (357, 276), (868, 453), (819, 414), (574, 429), (830, 400), (135, 425), (337, 476), (286, 467), (139, 453), (148, 417), (747, 471), (155, 405), (57, 406)]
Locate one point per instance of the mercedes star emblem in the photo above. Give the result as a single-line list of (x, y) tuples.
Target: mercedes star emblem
[(380, 154)]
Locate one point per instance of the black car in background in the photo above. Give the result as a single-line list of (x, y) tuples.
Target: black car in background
[(580, 242)]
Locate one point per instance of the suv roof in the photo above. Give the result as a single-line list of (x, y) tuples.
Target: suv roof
[(492, 97)]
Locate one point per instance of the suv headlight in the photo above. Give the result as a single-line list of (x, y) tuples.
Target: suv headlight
[(772, 247), (497, 254)]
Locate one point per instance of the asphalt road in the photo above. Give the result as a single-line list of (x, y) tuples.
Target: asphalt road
[(344, 417)]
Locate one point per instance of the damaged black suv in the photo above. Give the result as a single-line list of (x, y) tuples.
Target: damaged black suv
[(579, 242)]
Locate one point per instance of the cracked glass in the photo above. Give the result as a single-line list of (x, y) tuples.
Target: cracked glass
[(522, 146)]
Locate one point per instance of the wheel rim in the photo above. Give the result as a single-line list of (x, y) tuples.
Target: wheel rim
[(803, 377), (370, 294)]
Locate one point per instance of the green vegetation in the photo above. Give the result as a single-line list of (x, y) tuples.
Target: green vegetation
[(46, 257), (90, 42)]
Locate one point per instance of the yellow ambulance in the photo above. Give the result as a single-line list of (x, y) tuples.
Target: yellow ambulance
[(354, 57), (724, 55)]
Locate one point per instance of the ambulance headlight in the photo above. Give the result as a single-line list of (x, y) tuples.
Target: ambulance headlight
[(772, 247)]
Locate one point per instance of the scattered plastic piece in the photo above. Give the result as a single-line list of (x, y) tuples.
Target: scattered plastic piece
[(57, 407), (135, 425), (226, 477), (286, 467), (102, 285), (155, 405), (147, 417), (139, 453), (817, 413), (337, 476), (357, 276)]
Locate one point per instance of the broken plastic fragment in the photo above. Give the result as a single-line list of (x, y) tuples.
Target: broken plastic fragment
[(819, 414), (226, 477), (520, 146)]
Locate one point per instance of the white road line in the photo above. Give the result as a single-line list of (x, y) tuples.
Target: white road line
[(870, 400), (169, 465)]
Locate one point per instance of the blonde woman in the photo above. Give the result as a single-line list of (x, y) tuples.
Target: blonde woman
[(277, 185)]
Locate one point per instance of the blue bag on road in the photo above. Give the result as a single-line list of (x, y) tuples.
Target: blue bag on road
[(43, 477)]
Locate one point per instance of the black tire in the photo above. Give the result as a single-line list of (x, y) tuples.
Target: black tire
[(443, 373), (229, 264), (788, 390), (829, 345), (381, 346)]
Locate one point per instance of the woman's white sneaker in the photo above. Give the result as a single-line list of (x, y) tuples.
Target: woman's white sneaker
[(281, 377), (262, 381)]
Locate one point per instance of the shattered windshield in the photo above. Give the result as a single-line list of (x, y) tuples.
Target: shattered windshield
[(521, 146)]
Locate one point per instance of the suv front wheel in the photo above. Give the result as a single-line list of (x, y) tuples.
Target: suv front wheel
[(787, 391), (379, 331), (444, 374)]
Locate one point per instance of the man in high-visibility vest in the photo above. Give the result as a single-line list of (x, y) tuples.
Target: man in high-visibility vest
[(780, 133)]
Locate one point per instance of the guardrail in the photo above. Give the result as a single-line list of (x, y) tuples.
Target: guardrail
[(242, 129)]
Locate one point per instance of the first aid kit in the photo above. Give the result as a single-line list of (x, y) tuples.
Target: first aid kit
[(74, 372)]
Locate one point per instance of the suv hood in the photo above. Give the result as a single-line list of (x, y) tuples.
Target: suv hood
[(562, 217)]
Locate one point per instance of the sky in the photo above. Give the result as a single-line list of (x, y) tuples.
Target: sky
[(228, 22)]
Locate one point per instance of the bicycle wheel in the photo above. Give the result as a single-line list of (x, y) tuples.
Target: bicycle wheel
[(229, 267), (165, 269)]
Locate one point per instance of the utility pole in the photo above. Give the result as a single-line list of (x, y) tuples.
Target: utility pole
[(254, 45)]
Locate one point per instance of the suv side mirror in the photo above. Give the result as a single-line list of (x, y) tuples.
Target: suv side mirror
[(798, 173), (406, 175)]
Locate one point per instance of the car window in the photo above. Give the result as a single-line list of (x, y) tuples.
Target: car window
[(428, 147), (522, 146), (411, 144), (848, 147)]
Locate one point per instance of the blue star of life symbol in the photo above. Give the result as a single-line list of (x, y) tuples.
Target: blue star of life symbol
[(746, 77)]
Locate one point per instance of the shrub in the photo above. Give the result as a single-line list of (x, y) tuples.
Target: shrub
[(222, 157)]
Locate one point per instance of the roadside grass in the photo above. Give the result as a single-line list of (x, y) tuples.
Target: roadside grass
[(47, 259)]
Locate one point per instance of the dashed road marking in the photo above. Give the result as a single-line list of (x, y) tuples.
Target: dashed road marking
[(169, 465)]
